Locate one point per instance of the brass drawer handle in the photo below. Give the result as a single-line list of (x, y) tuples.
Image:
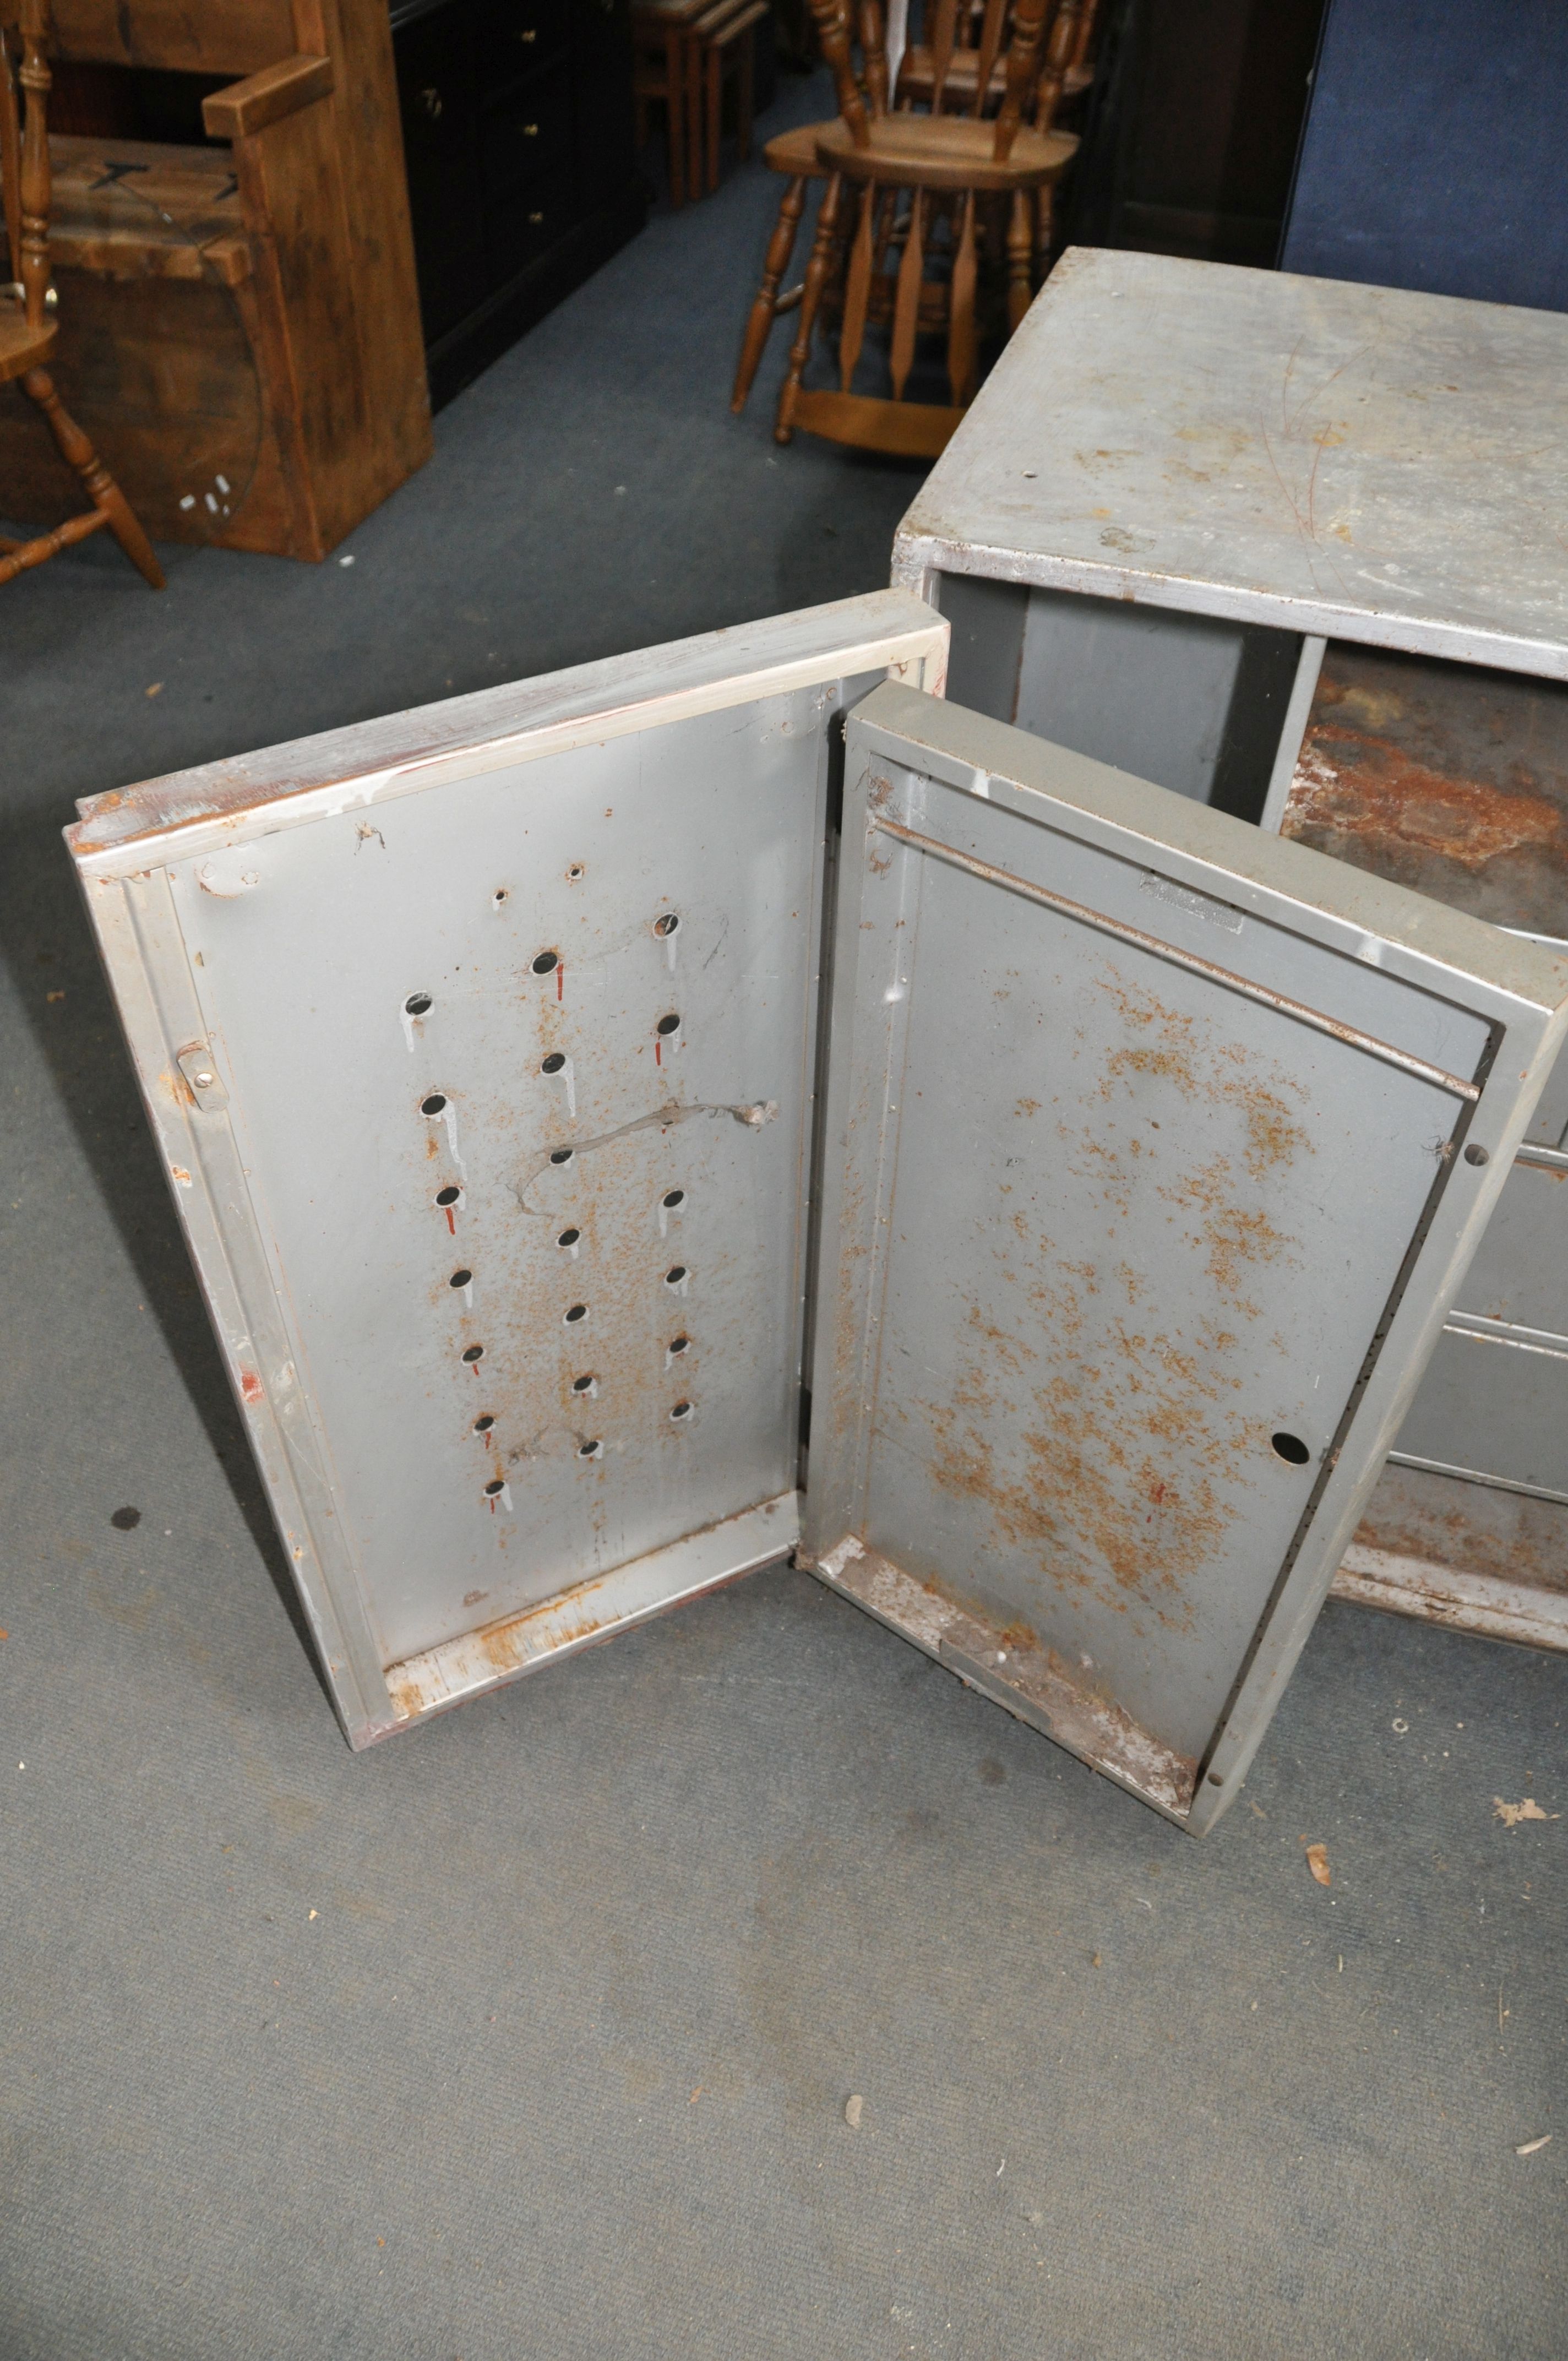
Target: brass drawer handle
[(536, 219), (531, 130)]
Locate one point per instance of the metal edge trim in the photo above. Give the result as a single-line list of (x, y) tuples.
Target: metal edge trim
[(473, 1662), (1241, 984)]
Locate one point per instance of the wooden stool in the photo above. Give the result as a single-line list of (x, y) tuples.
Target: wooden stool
[(666, 69), (727, 48)]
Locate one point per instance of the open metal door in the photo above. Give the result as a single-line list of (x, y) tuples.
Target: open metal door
[(1156, 1149), (480, 1048)]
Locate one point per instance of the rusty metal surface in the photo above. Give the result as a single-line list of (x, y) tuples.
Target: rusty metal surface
[(1106, 1372), (1449, 778), (1471, 1557), (1360, 463)]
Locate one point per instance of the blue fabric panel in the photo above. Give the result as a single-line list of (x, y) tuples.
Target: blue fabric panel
[(1435, 153)]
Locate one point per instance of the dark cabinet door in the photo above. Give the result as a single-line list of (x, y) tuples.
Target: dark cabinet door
[(438, 87)]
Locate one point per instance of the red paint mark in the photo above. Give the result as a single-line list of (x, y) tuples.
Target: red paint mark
[(249, 1386), (658, 1051), (560, 979), (451, 1219), (492, 1507)]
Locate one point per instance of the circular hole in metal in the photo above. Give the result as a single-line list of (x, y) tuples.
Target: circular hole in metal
[(668, 925), (461, 1279), (682, 1410), (675, 1275), (1291, 1448), (500, 895), (674, 1197), (417, 1002), (484, 1423), (554, 1064), (668, 1024), (546, 964), (575, 871), (589, 1450), (575, 1312), (124, 1521), (435, 1104), (568, 1237), (493, 1487), (562, 1155), (679, 1344), (1476, 1154), (582, 1385), (447, 1196), (473, 1352)]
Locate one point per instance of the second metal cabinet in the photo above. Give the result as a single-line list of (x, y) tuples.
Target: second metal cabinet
[(1286, 546)]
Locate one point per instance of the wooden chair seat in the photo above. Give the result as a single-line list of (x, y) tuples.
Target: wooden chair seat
[(794, 153), (22, 348), (943, 151)]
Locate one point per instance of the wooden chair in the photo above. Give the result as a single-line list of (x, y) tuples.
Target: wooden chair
[(945, 192), (27, 332), (799, 159)]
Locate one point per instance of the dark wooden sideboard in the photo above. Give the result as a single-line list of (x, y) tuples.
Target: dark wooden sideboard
[(518, 136)]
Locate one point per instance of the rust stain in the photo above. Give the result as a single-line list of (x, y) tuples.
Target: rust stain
[(250, 1387), (1103, 1444), (1350, 783), (1446, 777)]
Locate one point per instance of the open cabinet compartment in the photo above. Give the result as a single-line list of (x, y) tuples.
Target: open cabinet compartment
[(521, 1219)]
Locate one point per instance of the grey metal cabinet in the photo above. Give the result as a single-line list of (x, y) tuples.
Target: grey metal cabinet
[(1293, 548), (726, 1100)]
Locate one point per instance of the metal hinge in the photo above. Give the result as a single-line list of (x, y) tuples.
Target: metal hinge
[(196, 1061)]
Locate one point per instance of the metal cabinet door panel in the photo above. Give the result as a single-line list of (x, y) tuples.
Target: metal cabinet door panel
[(1146, 1189), (495, 1180)]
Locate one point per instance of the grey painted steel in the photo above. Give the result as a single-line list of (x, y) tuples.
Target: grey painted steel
[(495, 1178), (1298, 713), (1360, 463), (1493, 1407), (1105, 1067), (1347, 462)]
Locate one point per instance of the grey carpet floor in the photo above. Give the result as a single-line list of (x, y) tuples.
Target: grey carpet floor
[(528, 2036)]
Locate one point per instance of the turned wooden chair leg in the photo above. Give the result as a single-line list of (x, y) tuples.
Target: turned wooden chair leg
[(815, 279), (764, 311), (1044, 231), (99, 484), (1020, 257)]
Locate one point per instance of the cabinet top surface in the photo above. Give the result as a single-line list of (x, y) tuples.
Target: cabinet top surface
[(1358, 462)]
